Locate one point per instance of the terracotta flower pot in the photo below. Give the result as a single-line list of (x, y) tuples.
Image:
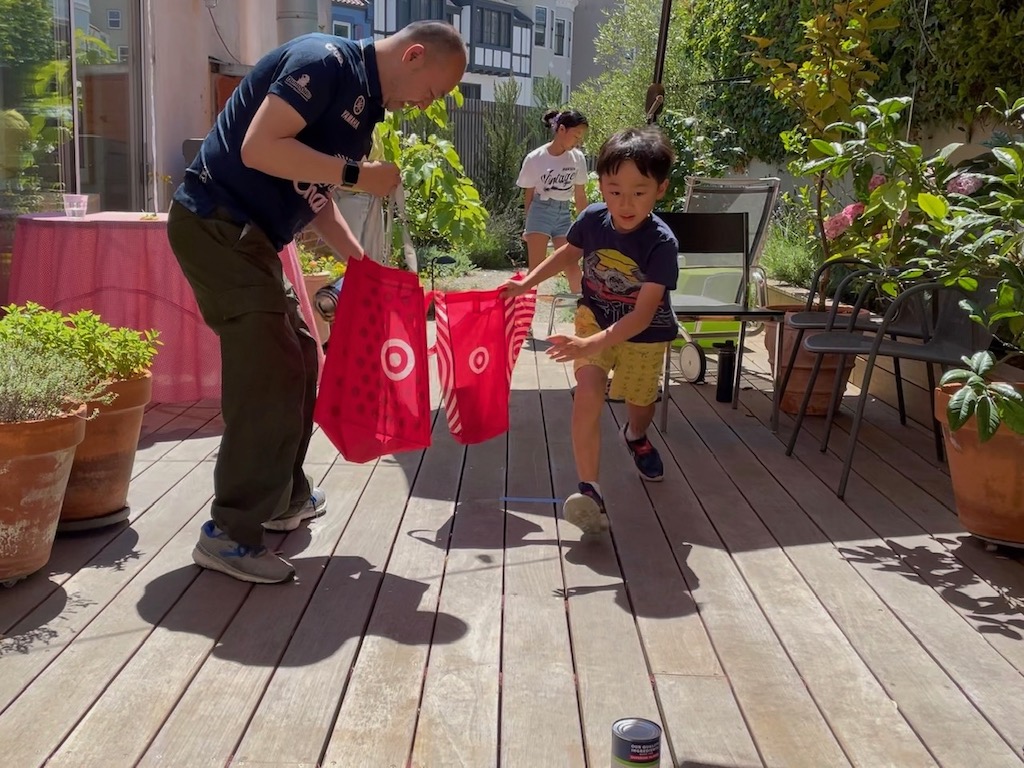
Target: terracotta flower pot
[(98, 489), (797, 385), (313, 284), (35, 463), (988, 478)]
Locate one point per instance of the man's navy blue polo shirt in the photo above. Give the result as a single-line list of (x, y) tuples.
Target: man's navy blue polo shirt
[(334, 84)]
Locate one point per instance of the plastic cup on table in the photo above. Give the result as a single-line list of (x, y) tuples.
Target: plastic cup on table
[(75, 206)]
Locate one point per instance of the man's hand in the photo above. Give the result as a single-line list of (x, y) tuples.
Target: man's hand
[(379, 179), (566, 348), (512, 288)]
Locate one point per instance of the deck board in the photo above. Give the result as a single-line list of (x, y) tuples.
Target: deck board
[(446, 616)]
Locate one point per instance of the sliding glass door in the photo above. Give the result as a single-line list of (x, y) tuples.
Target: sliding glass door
[(70, 109)]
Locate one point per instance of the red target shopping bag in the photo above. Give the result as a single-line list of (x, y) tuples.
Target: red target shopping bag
[(479, 336), (374, 396)]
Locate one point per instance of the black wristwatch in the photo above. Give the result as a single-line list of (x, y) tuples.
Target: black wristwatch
[(350, 174)]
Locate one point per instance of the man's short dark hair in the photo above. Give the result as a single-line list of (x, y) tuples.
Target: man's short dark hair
[(647, 147), (439, 36)]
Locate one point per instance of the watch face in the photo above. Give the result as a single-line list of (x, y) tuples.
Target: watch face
[(351, 175)]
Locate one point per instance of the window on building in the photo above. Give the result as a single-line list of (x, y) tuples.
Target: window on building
[(122, 53), (418, 10), (470, 90), (540, 26), (113, 19), (495, 28), (343, 29), (560, 37)]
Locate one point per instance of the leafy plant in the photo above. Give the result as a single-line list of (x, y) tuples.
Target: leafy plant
[(38, 382), (788, 255), (823, 89), (443, 204), (699, 152), (313, 263), (506, 147), (625, 50), (992, 402), (108, 353), (976, 235)]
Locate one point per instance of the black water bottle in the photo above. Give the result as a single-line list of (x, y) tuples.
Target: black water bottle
[(726, 371)]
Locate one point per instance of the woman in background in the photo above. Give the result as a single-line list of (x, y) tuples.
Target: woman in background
[(553, 175)]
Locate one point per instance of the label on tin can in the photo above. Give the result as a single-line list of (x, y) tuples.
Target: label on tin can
[(636, 742)]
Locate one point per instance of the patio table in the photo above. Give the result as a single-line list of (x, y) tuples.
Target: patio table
[(120, 265)]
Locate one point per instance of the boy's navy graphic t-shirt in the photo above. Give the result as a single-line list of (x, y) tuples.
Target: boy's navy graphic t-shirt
[(616, 265), (334, 84)]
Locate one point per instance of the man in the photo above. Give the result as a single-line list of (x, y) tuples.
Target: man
[(293, 129)]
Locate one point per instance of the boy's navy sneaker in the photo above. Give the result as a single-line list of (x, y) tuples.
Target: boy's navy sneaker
[(645, 456), (585, 510)]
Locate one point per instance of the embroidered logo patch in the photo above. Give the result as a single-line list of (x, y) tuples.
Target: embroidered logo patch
[(300, 86)]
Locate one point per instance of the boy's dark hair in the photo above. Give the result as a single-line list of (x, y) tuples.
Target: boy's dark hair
[(567, 118), (647, 147)]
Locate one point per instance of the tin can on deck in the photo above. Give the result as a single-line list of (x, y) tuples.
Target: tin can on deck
[(636, 742)]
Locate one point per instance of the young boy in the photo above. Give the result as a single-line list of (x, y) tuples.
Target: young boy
[(624, 321)]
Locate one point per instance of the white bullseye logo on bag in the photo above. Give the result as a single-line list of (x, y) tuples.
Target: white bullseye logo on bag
[(478, 360), (397, 359)]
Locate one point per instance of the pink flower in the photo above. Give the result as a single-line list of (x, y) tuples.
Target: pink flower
[(853, 211), (965, 184), (836, 225), (876, 181)]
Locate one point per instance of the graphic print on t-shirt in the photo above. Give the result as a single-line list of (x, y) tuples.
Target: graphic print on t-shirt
[(558, 179), (613, 281)]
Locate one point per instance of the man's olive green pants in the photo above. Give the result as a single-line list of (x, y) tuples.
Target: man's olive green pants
[(268, 368)]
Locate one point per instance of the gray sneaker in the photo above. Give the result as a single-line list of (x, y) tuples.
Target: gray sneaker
[(256, 564), (586, 510), (316, 506)]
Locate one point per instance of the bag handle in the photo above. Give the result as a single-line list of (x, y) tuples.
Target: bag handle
[(408, 251)]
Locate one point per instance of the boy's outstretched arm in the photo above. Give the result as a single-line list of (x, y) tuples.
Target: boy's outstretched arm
[(565, 256), (565, 348)]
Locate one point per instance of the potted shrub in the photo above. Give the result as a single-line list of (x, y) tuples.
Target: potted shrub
[(981, 406), (118, 362), (42, 420)]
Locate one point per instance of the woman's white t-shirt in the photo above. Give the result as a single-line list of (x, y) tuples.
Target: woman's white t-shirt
[(553, 177)]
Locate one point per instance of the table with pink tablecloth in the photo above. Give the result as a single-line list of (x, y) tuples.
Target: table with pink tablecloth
[(120, 266)]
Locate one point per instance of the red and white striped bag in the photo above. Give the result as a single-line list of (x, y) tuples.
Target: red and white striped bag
[(479, 336)]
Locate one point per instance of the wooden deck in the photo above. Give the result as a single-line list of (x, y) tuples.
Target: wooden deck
[(739, 603)]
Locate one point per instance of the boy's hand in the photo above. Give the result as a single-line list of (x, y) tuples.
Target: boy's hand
[(566, 348), (512, 288)]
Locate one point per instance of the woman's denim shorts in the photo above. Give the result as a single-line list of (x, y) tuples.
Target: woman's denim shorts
[(548, 217)]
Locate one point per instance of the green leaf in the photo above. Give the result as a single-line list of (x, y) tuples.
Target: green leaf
[(1007, 391), (935, 206), (955, 376), (1013, 415), (982, 362), (961, 407), (987, 418), (824, 147), (1009, 158)]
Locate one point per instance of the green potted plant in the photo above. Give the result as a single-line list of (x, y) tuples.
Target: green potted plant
[(978, 236), (118, 362), (42, 420), (823, 90)]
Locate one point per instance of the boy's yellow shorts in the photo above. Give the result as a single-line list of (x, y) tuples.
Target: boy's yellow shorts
[(638, 367)]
